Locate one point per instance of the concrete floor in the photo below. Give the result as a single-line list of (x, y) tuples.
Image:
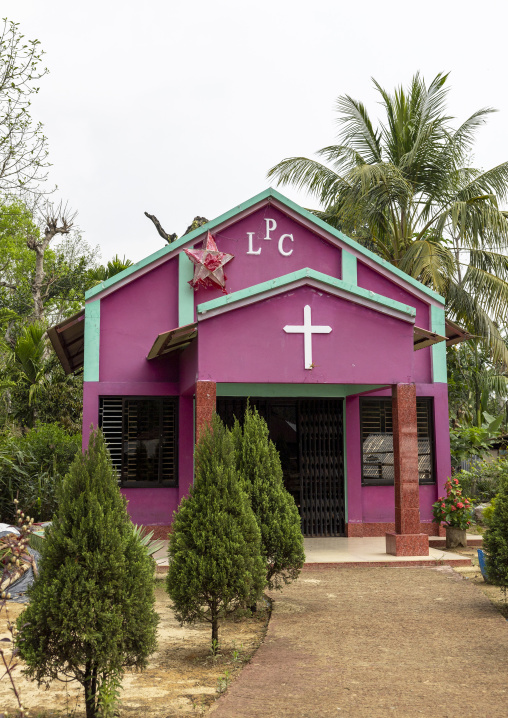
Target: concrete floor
[(355, 552)]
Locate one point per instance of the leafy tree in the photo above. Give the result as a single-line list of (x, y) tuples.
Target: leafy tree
[(406, 190), (470, 442), (476, 384), (258, 465), (91, 612), (214, 549), (38, 279), (495, 539), (23, 146)]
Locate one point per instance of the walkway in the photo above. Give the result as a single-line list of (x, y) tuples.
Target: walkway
[(343, 552), (377, 642)]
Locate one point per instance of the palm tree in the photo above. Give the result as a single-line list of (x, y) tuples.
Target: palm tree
[(405, 189), (114, 266)]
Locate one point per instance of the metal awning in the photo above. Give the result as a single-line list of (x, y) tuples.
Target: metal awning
[(455, 334), (174, 339), (423, 338), (68, 340)]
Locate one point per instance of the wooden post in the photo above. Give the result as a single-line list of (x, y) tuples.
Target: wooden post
[(407, 539)]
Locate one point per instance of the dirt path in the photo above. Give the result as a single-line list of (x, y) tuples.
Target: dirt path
[(182, 679), (376, 642)]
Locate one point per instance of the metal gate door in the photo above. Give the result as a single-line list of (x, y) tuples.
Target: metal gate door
[(313, 465), (321, 467)]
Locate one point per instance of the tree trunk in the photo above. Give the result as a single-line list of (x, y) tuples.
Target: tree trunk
[(37, 283), (90, 684), (215, 627)]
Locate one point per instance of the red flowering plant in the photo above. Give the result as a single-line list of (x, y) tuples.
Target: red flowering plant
[(454, 509)]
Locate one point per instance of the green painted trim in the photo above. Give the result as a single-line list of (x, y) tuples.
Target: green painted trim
[(179, 243), (439, 373), (185, 291), (267, 193), (92, 341), (358, 247), (281, 282), (318, 391), (349, 268)]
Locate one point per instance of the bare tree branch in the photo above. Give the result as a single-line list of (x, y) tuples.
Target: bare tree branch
[(196, 222), (59, 220), (168, 237)]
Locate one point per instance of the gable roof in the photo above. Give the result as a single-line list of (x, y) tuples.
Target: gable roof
[(310, 278), (302, 215)]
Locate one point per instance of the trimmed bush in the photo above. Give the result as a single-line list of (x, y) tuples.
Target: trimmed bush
[(91, 612), (495, 538), (215, 562), (259, 467)]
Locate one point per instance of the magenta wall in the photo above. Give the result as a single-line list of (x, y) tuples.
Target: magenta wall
[(376, 503), (131, 319), (364, 347), (309, 250), (150, 505), (370, 279)]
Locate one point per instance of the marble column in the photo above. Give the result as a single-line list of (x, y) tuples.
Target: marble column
[(407, 539), (206, 394)]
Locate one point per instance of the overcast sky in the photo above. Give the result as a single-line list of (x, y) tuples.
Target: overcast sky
[(180, 108)]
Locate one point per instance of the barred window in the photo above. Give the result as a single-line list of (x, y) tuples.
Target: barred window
[(377, 441), (142, 438)]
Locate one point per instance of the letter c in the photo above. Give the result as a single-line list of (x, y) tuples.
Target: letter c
[(281, 245)]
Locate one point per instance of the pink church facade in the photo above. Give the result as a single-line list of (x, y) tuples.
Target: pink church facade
[(313, 328)]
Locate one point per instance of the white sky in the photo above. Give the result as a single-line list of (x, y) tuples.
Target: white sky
[(180, 108)]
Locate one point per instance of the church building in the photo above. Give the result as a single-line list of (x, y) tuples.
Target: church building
[(341, 352)]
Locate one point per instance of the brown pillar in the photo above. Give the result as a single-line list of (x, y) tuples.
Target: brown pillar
[(407, 539), (206, 393)]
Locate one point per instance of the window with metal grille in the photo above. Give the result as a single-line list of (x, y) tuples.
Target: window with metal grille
[(377, 441), (142, 438)]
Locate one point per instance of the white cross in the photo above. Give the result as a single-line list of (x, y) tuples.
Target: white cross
[(307, 330)]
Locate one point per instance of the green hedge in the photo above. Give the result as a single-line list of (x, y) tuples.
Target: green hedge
[(32, 467), (483, 481)]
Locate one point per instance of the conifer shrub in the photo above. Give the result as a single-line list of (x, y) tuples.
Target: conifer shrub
[(215, 562), (495, 538), (91, 611), (258, 464)]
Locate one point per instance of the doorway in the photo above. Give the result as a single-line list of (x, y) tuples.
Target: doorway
[(308, 434)]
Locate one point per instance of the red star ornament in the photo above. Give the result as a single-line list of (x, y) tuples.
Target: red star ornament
[(209, 263)]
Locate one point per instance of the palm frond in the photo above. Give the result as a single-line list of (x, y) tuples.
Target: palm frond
[(357, 129), (302, 173)]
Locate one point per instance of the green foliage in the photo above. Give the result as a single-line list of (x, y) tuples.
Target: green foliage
[(454, 509), (258, 465), (483, 480), (32, 467), (214, 550), (113, 267), (495, 538), (405, 189), (467, 442), (91, 610), (476, 384), (36, 386)]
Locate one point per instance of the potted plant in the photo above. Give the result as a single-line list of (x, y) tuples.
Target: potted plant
[(454, 510)]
